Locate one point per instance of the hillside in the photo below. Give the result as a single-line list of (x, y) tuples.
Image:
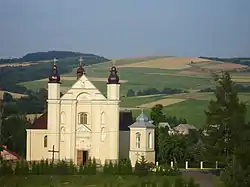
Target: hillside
[(153, 80), (11, 75), (47, 56)]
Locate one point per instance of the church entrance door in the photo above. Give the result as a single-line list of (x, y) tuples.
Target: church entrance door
[(82, 157)]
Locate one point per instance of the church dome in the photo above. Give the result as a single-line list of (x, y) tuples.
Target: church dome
[(54, 76), (142, 117), (113, 77), (80, 70)]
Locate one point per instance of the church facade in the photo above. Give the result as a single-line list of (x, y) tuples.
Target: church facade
[(84, 124)]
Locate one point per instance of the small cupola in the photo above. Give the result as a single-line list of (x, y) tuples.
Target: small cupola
[(54, 76), (113, 77), (142, 121), (80, 70)]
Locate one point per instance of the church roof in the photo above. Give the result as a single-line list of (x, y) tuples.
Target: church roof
[(7, 154), (142, 121), (40, 122)]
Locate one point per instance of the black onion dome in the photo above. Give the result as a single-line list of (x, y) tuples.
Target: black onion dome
[(113, 77), (54, 76), (80, 70)]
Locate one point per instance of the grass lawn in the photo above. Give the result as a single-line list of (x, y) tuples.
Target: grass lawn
[(77, 180), (217, 182)]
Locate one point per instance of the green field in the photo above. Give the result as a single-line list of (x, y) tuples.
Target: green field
[(192, 110), (138, 79), (135, 101)]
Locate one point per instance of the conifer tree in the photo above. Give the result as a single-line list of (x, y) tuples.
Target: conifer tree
[(110, 168), (93, 166), (106, 168), (128, 167), (225, 120), (18, 168)]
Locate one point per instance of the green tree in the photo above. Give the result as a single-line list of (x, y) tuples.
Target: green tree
[(225, 120), (7, 97), (157, 116)]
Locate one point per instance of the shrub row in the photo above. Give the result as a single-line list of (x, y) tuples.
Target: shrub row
[(45, 167)]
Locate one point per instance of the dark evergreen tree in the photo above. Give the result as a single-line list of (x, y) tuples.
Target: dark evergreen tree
[(225, 121)]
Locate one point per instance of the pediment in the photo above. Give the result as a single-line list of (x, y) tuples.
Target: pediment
[(83, 128), (83, 131), (85, 88), (83, 82)]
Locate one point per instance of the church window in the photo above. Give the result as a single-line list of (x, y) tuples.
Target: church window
[(150, 140), (63, 117), (83, 118), (62, 134), (138, 140), (45, 141), (102, 119), (103, 134)]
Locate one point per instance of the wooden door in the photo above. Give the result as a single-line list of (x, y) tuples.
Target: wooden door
[(79, 157)]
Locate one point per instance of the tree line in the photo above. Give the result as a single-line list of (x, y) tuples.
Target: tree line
[(44, 56), (154, 91), (242, 61), (238, 87)]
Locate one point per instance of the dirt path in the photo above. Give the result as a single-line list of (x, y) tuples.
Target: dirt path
[(202, 178)]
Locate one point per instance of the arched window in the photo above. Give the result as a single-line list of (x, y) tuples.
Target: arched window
[(45, 141), (83, 118), (103, 134), (102, 118), (150, 140), (63, 117), (138, 140), (62, 134)]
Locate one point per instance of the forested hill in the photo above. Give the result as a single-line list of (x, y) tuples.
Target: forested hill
[(243, 61), (44, 56), (10, 76)]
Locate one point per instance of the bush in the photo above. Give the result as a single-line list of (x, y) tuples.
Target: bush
[(5, 168), (90, 167), (141, 167)]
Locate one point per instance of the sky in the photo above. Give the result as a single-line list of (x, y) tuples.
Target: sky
[(126, 28)]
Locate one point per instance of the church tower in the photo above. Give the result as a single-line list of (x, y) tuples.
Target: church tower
[(113, 96), (53, 111), (113, 85), (142, 140)]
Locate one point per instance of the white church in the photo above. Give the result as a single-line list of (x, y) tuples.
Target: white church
[(84, 124)]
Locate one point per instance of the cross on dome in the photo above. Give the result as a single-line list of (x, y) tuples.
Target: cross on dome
[(54, 76), (81, 60), (55, 60), (80, 70)]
